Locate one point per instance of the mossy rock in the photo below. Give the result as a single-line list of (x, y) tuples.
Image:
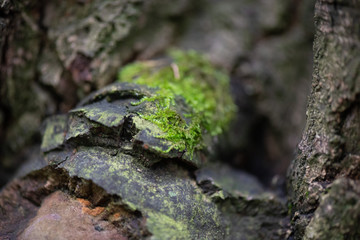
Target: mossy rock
[(117, 138)]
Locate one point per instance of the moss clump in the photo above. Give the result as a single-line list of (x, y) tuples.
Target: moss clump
[(204, 88)]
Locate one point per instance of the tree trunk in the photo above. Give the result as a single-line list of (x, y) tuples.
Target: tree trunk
[(324, 177)]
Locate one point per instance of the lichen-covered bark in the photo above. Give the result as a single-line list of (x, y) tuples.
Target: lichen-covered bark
[(330, 147)]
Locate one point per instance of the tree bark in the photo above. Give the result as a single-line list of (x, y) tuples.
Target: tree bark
[(324, 177)]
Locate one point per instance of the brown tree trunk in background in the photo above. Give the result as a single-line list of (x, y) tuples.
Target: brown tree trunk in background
[(324, 178)]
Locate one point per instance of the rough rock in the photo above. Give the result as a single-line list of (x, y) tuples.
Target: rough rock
[(62, 217)]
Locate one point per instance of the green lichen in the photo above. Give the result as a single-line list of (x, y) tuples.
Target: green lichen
[(164, 227), (54, 133), (203, 87), (174, 206)]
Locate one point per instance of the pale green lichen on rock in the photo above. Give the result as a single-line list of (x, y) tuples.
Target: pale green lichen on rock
[(173, 204), (191, 77), (54, 133), (166, 227), (115, 139)]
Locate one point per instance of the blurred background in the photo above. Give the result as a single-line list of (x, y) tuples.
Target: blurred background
[(53, 53)]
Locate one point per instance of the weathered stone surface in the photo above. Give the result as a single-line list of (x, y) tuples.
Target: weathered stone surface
[(54, 134), (15, 210), (62, 217), (171, 202), (113, 121), (248, 211), (50, 196), (108, 140), (106, 152), (216, 176)]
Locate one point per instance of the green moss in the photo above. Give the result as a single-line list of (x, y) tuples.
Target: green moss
[(204, 88)]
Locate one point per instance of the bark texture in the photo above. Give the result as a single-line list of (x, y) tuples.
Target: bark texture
[(324, 177)]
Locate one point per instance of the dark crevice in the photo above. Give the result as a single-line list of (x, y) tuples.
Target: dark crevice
[(5, 108), (253, 155), (208, 187), (128, 130), (5, 46), (188, 166)]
